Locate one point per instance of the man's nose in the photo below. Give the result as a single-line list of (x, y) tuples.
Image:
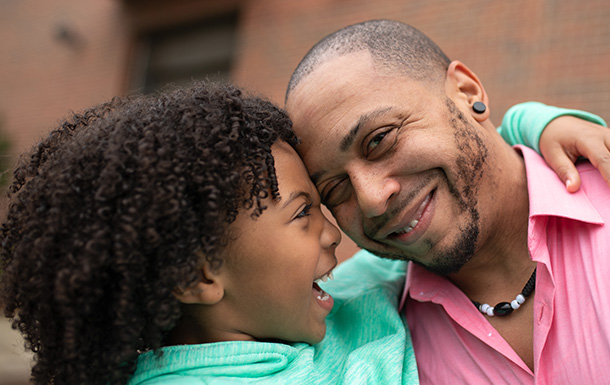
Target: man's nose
[(373, 191)]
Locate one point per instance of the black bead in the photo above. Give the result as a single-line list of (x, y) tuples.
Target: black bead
[(479, 107), (503, 308)]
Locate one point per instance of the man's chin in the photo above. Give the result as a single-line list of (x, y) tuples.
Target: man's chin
[(442, 262), (451, 261), (443, 267)]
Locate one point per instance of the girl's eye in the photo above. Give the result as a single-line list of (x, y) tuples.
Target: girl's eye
[(305, 212)]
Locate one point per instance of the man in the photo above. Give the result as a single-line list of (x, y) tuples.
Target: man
[(399, 143)]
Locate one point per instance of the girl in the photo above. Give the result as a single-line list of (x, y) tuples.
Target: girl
[(176, 238), (181, 220)]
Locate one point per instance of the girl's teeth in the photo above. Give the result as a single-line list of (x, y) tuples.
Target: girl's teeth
[(324, 296), (325, 277)]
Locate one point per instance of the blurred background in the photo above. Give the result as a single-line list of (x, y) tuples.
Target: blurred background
[(64, 55)]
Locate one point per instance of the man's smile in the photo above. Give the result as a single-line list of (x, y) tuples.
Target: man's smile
[(415, 223), (406, 213)]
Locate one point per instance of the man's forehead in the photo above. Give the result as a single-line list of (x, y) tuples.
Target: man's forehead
[(335, 72), (333, 83)]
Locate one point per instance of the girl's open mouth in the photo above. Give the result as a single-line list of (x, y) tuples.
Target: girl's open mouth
[(324, 299), (322, 295)]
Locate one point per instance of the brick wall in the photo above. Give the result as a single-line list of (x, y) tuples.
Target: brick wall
[(552, 51), (56, 56)]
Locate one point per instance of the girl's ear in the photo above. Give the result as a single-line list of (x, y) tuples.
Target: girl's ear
[(462, 85), (209, 290)]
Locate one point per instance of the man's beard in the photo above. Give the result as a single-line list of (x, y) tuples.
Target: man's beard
[(470, 168), (451, 261)]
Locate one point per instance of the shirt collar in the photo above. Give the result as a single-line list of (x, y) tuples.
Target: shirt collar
[(548, 195), (422, 284)]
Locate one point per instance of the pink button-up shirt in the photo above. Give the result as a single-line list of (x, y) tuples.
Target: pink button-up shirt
[(569, 237)]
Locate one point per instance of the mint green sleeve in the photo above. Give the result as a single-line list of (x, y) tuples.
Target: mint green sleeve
[(523, 123)]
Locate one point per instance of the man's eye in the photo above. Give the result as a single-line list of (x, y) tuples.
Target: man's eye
[(376, 140), (334, 193), (380, 142)]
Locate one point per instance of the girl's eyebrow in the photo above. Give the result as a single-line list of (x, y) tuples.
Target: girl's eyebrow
[(294, 196)]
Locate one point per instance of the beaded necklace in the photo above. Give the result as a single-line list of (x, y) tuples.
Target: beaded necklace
[(505, 308)]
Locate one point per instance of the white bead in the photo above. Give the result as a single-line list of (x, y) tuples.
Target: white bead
[(520, 298), (490, 311), (484, 308), (515, 304)]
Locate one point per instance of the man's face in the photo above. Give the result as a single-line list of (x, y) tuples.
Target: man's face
[(395, 160)]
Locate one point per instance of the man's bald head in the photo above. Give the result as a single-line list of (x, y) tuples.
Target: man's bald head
[(392, 44)]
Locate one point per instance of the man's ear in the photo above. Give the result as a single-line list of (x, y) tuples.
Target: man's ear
[(208, 290), (463, 86)]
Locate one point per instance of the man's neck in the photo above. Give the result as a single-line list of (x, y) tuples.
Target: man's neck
[(501, 264)]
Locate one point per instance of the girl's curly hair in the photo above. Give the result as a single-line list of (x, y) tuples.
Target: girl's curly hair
[(112, 212)]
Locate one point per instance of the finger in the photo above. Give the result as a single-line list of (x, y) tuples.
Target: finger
[(562, 163), (598, 154), (604, 164)]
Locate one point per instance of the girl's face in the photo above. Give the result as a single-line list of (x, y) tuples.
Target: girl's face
[(271, 267)]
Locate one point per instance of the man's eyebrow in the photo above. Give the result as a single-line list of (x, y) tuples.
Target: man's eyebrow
[(294, 196), (348, 139)]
